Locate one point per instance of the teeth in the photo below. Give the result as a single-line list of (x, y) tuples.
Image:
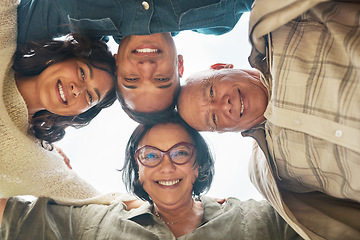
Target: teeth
[(146, 50), (242, 105), (168, 183), (62, 95)]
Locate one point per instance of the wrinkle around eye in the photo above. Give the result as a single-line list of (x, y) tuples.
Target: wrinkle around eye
[(214, 120), (162, 80), (210, 124), (129, 84), (211, 91), (131, 79), (82, 73), (91, 100)]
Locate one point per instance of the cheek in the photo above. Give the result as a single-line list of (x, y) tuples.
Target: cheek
[(80, 106), (142, 175), (195, 174), (77, 109), (141, 179)]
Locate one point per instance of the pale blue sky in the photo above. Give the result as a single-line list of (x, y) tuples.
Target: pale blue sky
[(97, 150)]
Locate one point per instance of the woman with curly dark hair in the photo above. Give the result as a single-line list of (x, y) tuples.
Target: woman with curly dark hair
[(45, 88), (64, 83)]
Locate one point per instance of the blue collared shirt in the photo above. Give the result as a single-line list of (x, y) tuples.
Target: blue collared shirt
[(43, 19)]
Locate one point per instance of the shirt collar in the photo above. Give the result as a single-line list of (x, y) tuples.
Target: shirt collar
[(211, 210), (258, 133), (144, 209)]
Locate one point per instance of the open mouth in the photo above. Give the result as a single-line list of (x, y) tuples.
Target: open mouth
[(146, 50), (242, 104), (168, 183), (61, 91)]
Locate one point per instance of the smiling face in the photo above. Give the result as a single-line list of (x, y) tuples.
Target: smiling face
[(224, 100), (168, 184), (148, 71), (71, 87)]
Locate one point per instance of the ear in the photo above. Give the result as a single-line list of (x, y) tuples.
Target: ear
[(195, 174), (180, 65), (115, 56), (219, 66)]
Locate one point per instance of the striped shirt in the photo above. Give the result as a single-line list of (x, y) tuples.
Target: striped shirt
[(313, 127), (311, 65)]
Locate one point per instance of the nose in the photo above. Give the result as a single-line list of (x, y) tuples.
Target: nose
[(147, 67), (166, 166), (224, 104), (76, 89)]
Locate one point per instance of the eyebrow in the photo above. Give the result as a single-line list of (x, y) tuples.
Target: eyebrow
[(205, 96), (97, 93), (165, 86), (207, 120), (205, 89), (134, 87), (90, 70), (92, 78), (129, 86)]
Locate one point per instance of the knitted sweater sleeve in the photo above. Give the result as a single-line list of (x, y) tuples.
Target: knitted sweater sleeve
[(25, 167)]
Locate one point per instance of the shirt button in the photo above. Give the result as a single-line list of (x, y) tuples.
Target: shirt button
[(297, 122), (338, 133), (145, 5)]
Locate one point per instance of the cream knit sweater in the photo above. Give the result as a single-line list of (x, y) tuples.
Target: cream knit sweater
[(25, 167)]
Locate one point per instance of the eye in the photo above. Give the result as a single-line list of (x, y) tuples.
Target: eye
[(82, 72), (211, 91), (179, 153), (162, 79), (91, 100), (214, 121), (131, 79), (151, 156)]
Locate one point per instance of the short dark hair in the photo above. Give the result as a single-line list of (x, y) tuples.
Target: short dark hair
[(33, 58), (150, 118), (204, 160)]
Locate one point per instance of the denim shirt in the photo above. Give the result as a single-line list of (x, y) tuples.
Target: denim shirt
[(43, 19)]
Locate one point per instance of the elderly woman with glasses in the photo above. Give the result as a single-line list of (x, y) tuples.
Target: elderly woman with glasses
[(168, 165)]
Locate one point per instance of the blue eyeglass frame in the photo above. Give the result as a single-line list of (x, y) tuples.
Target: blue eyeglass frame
[(166, 153)]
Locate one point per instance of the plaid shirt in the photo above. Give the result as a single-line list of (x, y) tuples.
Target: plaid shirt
[(311, 65)]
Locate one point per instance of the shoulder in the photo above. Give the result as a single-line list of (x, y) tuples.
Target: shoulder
[(8, 35), (48, 218), (236, 205), (8, 20), (48, 207)]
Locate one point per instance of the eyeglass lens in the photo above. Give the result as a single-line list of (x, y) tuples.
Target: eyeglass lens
[(151, 156)]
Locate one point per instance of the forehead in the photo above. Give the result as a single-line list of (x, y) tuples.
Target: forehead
[(100, 76), (164, 136), (202, 78), (193, 108), (219, 77)]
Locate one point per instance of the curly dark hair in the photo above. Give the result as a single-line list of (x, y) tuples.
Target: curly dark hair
[(149, 118), (204, 160), (33, 58)]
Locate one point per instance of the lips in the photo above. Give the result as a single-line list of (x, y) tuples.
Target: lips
[(242, 104), (146, 50), (61, 92), (168, 182)]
